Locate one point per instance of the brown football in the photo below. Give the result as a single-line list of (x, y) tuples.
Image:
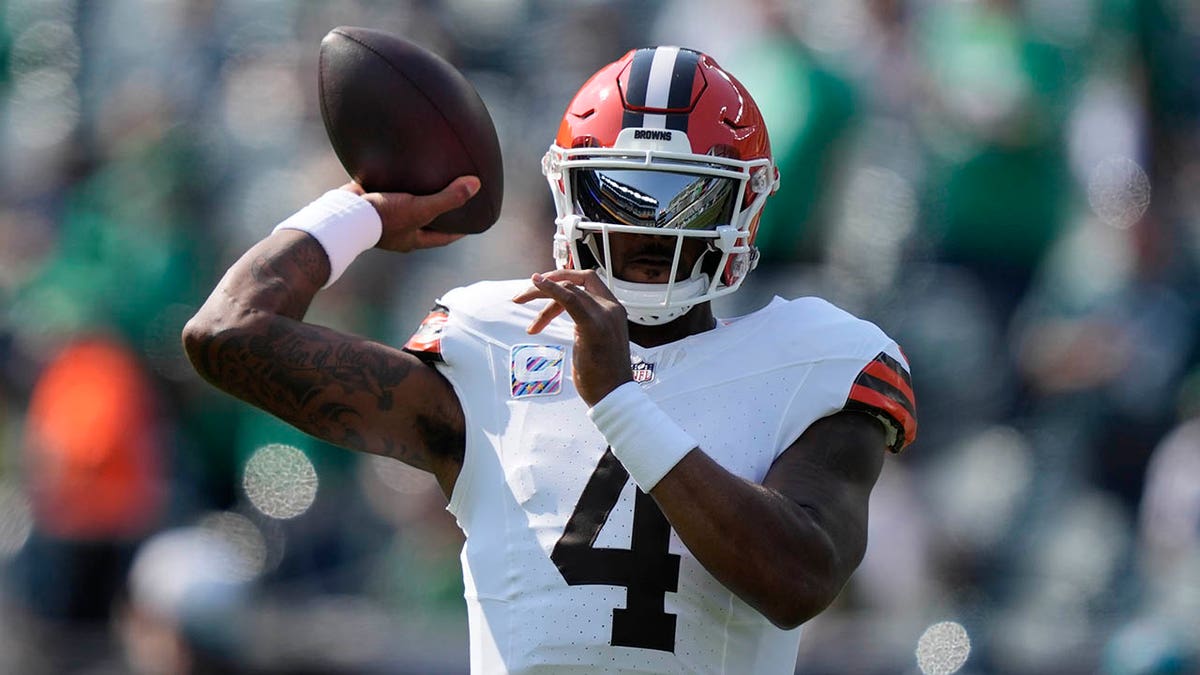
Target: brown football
[(402, 119)]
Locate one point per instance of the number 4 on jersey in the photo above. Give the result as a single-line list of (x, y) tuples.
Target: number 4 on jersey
[(647, 569)]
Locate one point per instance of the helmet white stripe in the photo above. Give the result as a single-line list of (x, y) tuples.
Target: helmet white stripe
[(658, 89), (653, 121)]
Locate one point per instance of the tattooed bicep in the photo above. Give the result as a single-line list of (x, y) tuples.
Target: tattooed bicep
[(346, 390)]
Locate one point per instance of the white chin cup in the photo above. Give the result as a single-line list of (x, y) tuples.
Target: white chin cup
[(645, 304)]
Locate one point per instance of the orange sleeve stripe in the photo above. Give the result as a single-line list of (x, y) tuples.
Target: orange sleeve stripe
[(414, 345), (897, 412), (880, 370), (428, 338)]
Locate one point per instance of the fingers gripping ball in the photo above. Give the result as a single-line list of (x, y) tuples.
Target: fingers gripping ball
[(401, 119)]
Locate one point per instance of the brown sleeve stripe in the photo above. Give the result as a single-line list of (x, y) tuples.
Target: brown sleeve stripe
[(886, 381), (895, 366)]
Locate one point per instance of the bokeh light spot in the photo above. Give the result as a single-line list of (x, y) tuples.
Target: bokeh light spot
[(280, 481), (245, 540), (189, 571), (1119, 191), (943, 648)]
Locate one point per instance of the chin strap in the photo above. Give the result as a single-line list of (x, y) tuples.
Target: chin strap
[(643, 302)]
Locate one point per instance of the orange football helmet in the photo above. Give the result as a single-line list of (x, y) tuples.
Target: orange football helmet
[(662, 142)]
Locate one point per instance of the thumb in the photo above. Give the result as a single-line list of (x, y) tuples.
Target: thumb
[(454, 195)]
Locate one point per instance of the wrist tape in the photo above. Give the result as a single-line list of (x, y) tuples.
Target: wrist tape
[(648, 443), (343, 223)]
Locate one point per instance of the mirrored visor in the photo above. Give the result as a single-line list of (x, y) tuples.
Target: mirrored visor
[(661, 199)]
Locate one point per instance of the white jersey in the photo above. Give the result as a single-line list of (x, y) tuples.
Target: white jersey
[(568, 567)]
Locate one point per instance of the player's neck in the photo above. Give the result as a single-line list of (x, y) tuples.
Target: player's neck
[(697, 320)]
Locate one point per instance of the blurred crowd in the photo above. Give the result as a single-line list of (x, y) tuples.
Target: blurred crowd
[(1010, 188)]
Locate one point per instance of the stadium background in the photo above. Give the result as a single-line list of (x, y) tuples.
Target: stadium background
[(1010, 188)]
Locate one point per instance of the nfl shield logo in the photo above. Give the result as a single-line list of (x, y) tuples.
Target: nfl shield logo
[(642, 372)]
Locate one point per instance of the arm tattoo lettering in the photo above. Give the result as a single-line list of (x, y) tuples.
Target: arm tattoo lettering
[(292, 370)]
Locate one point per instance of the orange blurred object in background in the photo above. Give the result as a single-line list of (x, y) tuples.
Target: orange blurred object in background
[(93, 445)]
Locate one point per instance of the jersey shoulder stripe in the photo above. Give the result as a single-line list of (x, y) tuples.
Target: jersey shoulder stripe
[(426, 343), (883, 388)]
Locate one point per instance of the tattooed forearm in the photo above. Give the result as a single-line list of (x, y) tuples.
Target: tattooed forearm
[(279, 273)]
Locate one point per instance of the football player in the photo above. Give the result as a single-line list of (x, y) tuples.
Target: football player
[(643, 486)]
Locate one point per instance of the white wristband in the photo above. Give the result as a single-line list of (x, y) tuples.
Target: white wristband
[(343, 223), (648, 443)]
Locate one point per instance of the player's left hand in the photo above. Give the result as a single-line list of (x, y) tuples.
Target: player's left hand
[(601, 356)]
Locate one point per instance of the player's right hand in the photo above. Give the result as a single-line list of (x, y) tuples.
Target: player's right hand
[(600, 359), (405, 216)]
